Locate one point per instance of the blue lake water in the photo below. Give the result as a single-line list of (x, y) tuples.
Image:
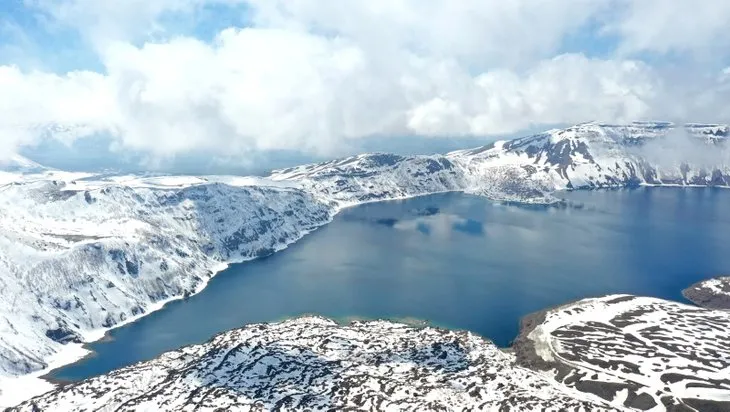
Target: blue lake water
[(456, 260)]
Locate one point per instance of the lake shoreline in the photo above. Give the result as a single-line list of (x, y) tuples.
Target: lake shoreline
[(526, 350), (526, 355)]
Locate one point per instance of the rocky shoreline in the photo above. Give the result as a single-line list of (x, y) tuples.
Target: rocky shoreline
[(579, 351), (526, 352), (711, 293)]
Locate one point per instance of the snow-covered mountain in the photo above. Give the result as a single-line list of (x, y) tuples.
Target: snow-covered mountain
[(79, 257), (597, 155), (17, 163), (81, 253), (530, 169), (12, 167), (376, 176)]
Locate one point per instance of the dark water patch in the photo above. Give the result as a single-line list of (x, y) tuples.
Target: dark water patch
[(470, 226), (390, 222), (427, 211)]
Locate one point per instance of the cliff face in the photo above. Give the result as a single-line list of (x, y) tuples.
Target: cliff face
[(79, 258)]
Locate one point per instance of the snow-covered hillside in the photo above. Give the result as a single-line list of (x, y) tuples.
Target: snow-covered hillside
[(614, 353), (314, 364), (376, 176), (81, 253), (17, 163), (595, 155), (79, 257), (530, 169), (643, 353)]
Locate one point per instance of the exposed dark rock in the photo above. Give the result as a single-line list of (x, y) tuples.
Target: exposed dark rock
[(711, 293), (591, 353)]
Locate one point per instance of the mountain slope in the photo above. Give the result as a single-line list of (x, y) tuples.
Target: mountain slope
[(375, 176), (618, 352), (530, 169), (19, 164), (596, 155), (76, 262)]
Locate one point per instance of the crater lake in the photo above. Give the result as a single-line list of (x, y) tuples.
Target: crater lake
[(455, 260)]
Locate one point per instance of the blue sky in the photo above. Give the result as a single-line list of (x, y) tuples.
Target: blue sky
[(32, 39), (242, 85)]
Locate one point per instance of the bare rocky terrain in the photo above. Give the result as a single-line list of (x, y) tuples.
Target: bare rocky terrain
[(711, 293), (637, 352)]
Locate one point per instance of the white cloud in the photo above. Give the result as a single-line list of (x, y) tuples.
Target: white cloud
[(694, 26), (480, 32), (272, 89), (680, 147), (72, 105), (568, 88), (253, 89), (105, 21), (314, 75)]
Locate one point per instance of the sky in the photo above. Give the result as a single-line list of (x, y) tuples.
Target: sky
[(245, 84)]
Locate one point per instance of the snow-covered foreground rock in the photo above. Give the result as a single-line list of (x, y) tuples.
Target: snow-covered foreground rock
[(711, 293), (644, 353), (82, 253), (314, 364)]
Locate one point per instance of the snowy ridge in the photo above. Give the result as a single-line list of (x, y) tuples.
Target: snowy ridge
[(20, 164), (643, 353), (375, 176), (530, 169), (596, 155), (314, 364), (13, 168)]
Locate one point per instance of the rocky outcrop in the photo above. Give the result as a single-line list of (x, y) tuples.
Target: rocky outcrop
[(712, 293), (634, 352)]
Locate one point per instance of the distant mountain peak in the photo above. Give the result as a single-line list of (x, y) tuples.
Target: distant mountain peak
[(20, 164)]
